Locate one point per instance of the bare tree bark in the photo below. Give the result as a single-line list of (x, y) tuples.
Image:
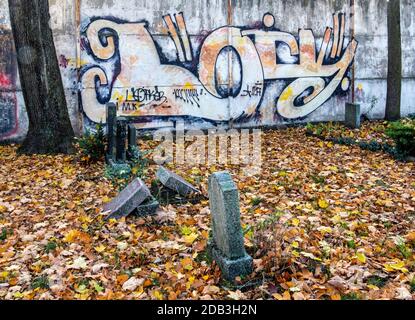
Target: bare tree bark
[(50, 129), (393, 101)]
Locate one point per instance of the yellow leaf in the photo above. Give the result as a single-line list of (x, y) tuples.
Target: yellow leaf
[(18, 295), (106, 200), (3, 275), (396, 265), (77, 236), (158, 295), (191, 238), (283, 173), (323, 204), (68, 170), (71, 236), (3, 209), (336, 219), (373, 287), (361, 257), (295, 222), (324, 230), (100, 248)]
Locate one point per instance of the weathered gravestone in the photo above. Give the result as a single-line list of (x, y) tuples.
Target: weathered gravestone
[(176, 183), (128, 200), (111, 131), (227, 244), (121, 139), (353, 115), (133, 151)]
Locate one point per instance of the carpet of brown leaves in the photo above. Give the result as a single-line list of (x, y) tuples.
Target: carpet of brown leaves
[(322, 221)]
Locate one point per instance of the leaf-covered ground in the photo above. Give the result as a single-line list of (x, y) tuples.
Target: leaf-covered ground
[(322, 221)]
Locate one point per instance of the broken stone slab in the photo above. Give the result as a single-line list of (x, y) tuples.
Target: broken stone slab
[(128, 200), (148, 208), (226, 246), (176, 183)]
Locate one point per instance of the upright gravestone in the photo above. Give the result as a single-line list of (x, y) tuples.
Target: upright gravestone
[(133, 151), (128, 200), (111, 131), (353, 115), (121, 152), (227, 244)]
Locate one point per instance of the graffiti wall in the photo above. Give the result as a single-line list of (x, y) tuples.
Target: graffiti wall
[(222, 79), (239, 63)]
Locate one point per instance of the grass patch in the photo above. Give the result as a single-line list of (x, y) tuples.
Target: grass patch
[(351, 244), (351, 296), (377, 281), (256, 201), (5, 233), (204, 256), (412, 285), (40, 283), (404, 250), (51, 246)]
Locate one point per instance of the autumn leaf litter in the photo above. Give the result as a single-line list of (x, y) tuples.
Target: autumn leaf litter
[(321, 221)]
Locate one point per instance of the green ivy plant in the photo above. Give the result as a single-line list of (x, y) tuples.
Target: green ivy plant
[(403, 133), (91, 145)]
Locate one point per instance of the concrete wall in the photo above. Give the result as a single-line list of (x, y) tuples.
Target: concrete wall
[(13, 117), (239, 62)]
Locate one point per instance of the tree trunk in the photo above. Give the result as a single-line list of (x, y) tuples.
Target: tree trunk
[(50, 129), (393, 101)]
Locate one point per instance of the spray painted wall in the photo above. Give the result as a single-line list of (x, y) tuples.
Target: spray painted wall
[(241, 62)]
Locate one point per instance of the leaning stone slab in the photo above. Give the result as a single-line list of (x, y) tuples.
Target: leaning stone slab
[(176, 183), (227, 244), (128, 200)]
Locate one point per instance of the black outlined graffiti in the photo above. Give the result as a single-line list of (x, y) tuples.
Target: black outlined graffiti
[(313, 75)]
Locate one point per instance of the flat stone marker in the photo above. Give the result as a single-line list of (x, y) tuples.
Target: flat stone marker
[(353, 115), (128, 200), (176, 183), (227, 245)]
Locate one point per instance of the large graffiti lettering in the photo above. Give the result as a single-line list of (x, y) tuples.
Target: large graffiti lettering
[(8, 71), (224, 79)]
